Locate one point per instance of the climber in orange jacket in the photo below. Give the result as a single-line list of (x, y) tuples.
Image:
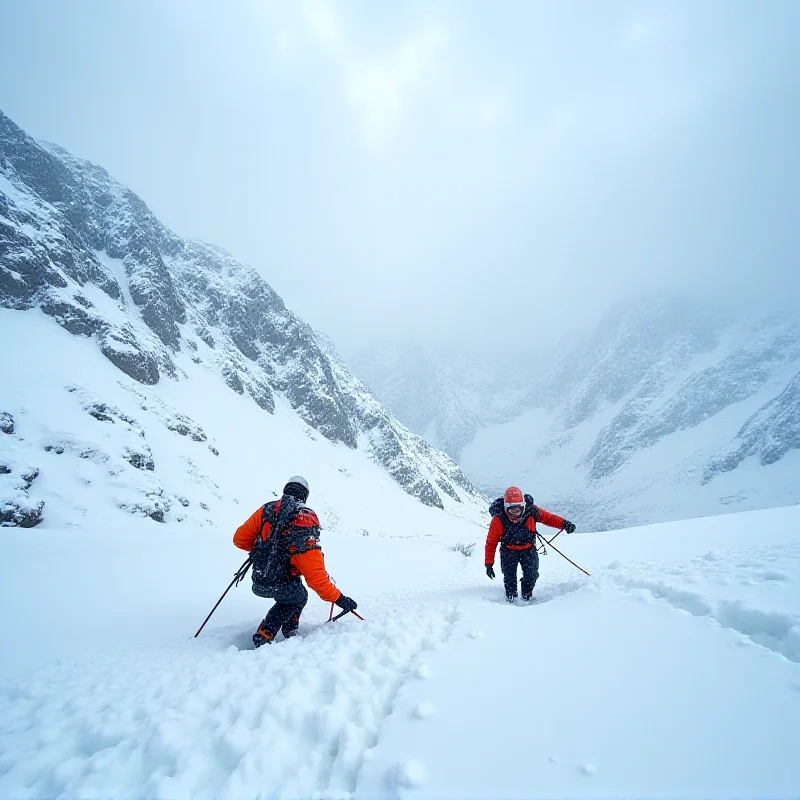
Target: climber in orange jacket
[(513, 527), (283, 539)]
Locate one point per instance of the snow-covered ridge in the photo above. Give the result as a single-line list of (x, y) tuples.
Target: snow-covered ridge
[(87, 252), (769, 434), (663, 398)]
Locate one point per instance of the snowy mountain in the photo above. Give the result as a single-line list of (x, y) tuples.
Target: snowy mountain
[(121, 324), (144, 377), (441, 393), (668, 408)]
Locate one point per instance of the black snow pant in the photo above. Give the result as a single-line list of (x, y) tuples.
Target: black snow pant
[(510, 560), (284, 616)]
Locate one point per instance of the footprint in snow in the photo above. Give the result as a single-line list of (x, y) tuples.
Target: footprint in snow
[(424, 710), (588, 769), (774, 575), (412, 774)]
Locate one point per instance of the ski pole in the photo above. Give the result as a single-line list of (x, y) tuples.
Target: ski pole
[(543, 551), (562, 555), (550, 540), (331, 618), (237, 579)]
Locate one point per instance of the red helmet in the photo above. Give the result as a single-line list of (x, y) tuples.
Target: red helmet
[(514, 502)]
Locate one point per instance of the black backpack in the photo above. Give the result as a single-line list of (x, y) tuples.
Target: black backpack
[(271, 558)]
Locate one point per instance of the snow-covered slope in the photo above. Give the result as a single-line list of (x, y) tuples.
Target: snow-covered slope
[(667, 409), (673, 671), (168, 334), (96, 446)]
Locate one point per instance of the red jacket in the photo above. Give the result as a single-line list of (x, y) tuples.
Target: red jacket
[(311, 564), (496, 531)]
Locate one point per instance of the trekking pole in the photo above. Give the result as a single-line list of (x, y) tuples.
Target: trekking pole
[(562, 555), (237, 579), (550, 540), (543, 551), (331, 618)]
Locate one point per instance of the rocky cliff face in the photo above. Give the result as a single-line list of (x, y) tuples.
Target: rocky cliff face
[(87, 251), (689, 379), (769, 434)]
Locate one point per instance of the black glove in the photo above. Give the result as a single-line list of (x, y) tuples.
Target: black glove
[(568, 526), (346, 603), (490, 570)]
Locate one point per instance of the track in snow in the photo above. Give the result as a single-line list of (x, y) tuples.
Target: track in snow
[(765, 567), (205, 720)]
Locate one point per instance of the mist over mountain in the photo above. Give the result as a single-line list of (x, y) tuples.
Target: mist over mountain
[(669, 406)]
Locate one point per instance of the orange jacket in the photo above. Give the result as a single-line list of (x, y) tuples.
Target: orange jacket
[(310, 564), (495, 533)]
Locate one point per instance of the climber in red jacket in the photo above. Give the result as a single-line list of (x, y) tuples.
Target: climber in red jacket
[(513, 527)]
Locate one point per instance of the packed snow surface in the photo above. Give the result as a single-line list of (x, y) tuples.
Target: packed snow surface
[(673, 671)]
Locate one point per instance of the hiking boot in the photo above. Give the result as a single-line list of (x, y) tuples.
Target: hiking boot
[(289, 628), (511, 598), (527, 595), (262, 636)]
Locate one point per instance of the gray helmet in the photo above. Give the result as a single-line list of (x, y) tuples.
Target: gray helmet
[(297, 487)]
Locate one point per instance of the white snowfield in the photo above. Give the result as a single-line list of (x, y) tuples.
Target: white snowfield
[(673, 671)]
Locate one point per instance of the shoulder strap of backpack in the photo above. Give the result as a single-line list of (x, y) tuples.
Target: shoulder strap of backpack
[(287, 511), (267, 515)]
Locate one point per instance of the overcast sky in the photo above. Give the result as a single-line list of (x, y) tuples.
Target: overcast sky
[(483, 171)]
